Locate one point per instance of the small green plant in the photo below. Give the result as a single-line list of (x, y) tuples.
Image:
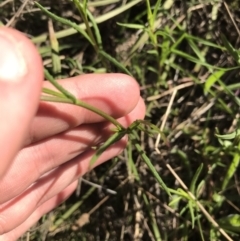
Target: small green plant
[(164, 47), (66, 97)]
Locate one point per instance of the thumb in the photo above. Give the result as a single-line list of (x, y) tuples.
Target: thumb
[(21, 75)]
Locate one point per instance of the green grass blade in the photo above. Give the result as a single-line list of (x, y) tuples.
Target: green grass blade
[(85, 2), (212, 79), (229, 136), (156, 9), (196, 50), (65, 21), (193, 59), (82, 8), (199, 224), (100, 19), (101, 3), (56, 62), (66, 93), (110, 141), (130, 162), (149, 14), (231, 222), (195, 178), (96, 29), (165, 47), (132, 25), (204, 42), (234, 53), (151, 167), (232, 169), (175, 201), (52, 93), (115, 62), (191, 211), (153, 222)]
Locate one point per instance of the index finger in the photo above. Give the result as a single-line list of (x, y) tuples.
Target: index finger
[(115, 94)]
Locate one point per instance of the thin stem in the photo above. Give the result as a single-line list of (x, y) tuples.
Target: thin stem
[(84, 105), (83, 14)]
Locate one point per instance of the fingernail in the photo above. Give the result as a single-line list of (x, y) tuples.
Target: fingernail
[(12, 62)]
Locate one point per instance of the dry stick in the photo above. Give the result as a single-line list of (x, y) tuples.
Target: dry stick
[(182, 86), (18, 13), (87, 215), (231, 17), (176, 214), (165, 118), (99, 187), (5, 2), (138, 217), (233, 205), (126, 205), (204, 211), (105, 198), (234, 123)]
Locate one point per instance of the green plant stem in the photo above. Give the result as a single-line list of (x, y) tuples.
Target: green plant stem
[(83, 14), (67, 32), (84, 105)]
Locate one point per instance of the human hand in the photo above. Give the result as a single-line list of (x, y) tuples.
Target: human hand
[(46, 147)]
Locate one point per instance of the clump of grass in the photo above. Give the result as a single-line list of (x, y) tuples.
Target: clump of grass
[(187, 187)]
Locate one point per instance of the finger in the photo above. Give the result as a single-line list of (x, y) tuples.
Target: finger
[(52, 183), (33, 161), (20, 86), (38, 213), (49, 185), (43, 157), (115, 94)]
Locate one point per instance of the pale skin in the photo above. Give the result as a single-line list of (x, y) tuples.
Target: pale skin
[(46, 147)]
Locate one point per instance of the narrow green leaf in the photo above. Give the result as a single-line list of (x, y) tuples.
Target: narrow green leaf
[(195, 60), (191, 210), (184, 194), (204, 42), (152, 221), (132, 25), (165, 46), (195, 178), (175, 202), (156, 9), (85, 2), (59, 87), (196, 50), (102, 3), (199, 223), (65, 21), (110, 141), (82, 9), (56, 62), (212, 79), (100, 19), (52, 93), (151, 167), (232, 169), (235, 53), (231, 222), (115, 62), (96, 29), (130, 163), (149, 14), (229, 136)]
